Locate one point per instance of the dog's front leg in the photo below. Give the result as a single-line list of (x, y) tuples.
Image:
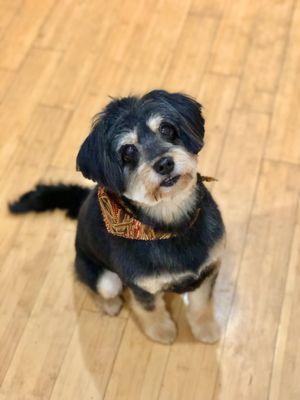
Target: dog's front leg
[(153, 316), (200, 309)]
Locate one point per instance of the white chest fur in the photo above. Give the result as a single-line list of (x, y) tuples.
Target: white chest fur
[(160, 282)]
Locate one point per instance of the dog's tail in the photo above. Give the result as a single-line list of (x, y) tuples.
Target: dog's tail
[(50, 197)]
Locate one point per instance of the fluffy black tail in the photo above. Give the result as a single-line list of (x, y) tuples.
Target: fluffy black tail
[(51, 197)]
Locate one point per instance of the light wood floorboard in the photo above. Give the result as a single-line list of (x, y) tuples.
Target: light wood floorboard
[(60, 60)]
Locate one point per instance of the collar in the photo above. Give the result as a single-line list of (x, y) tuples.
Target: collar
[(119, 220)]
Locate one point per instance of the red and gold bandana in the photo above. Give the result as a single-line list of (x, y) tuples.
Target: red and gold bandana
[(120, 222)]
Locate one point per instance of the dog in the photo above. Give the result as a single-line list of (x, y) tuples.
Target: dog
[(150, 224)]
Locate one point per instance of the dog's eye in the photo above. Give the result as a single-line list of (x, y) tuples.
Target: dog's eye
[(168, 131), (129, 153)]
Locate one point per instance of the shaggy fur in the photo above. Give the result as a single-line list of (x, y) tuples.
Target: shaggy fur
[(51, 197), (143, 150)]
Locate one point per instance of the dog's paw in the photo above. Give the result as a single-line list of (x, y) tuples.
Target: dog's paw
[(112, 306), (163, 332), (207, 332)]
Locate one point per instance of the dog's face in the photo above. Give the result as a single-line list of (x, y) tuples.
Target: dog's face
[(145, 148)]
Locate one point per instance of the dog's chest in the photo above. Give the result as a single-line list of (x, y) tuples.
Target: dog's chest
[(154, 284), (183, 281)]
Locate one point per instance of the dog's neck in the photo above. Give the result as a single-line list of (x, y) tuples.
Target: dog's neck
[(173, 210), (175, 214)]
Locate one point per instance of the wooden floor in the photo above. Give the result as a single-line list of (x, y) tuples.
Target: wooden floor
[(59, 62)]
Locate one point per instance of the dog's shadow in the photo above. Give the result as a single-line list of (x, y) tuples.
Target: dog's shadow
[(116, 355)]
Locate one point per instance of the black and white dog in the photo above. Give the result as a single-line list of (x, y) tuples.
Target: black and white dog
[(150, 224)]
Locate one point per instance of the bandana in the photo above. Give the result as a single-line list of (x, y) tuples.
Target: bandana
[(119, 221)]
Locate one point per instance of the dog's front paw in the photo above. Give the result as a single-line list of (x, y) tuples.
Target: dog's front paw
[(112, 306), (207, 332), (163, 331)]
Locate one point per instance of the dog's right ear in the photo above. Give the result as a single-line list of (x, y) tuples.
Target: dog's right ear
[(95, 159)]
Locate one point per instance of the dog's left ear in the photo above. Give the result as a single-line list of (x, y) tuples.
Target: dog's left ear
[(191, 117), (95, 159)]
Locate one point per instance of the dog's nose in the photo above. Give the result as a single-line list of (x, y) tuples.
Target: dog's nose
[(164, 166)]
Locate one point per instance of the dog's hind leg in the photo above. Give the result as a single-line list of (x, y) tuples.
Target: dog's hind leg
[(200, 310), (101, 281)]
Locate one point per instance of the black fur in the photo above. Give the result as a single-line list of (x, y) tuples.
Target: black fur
[(189, 114), (190, 284), (133, 259), (51, 197), (99, 160)]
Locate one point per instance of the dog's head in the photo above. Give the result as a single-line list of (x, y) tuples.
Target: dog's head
[(145, 148)]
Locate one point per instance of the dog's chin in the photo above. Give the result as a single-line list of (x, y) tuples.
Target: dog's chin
[(173, 200), (168, 190)]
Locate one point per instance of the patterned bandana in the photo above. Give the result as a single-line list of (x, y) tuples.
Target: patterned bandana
[(119, 221)]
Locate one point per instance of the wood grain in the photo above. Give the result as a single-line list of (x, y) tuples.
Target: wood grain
[(60, 61)]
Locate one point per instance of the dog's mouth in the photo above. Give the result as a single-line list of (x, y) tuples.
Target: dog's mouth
[(170, 181)]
